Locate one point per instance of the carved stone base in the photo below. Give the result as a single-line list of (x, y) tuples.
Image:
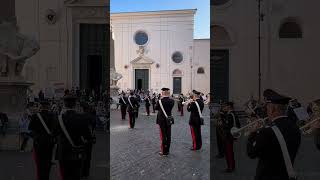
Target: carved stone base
[(114, 91)]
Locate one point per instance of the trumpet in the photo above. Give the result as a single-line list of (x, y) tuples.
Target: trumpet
[(236, 132), (187, 102), (306, 129)]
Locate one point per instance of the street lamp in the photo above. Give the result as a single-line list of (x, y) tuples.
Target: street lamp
[(260, 19)]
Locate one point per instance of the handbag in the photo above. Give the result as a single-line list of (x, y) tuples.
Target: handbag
[(285, 153), (77, 152), (169, 119), (200, 114)]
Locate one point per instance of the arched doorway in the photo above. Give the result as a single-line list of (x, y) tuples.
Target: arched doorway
[(219, 63), (177, 81)]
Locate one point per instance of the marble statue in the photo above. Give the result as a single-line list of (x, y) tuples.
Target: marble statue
[(114, 77), (15, 49)]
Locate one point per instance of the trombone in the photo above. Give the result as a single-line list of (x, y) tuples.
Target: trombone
[(236, 132), (306, 129)]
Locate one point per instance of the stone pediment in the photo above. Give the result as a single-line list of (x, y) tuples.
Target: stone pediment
[(86, 3), (142, 60)]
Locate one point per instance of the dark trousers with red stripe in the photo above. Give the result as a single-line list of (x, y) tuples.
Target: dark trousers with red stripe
[(148, 110), (42, 158), (165, 138), (220, 143), (181, 110), (132, 119), (154, 108), (229, 154), (123, 111), (196, 137)]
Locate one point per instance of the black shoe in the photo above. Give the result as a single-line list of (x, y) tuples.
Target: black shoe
[(162, 154), (219, 156)]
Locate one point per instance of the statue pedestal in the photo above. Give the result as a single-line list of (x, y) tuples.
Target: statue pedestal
[(13, 96), (114, 95)]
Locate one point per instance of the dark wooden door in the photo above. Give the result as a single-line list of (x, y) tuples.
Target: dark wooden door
[(94, 42), (177, 85), (219, 64), (142, 79)]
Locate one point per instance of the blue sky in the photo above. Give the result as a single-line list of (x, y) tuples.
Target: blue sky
[(202, 18)]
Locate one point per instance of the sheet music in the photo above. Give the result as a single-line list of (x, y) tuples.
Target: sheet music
[(301, 113)]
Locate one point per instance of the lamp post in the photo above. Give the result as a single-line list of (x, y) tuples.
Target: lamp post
[(260, 19)]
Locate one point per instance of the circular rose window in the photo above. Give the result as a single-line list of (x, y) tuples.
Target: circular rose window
[(177, 57), (141, 38)]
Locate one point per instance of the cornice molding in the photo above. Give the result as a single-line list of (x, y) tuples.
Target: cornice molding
[(182, 12), (87, 3)]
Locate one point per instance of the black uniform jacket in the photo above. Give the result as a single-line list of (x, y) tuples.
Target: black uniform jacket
[(153, 99), (38, 132), (134, 103), (147, 100), (79, 127), (125, 102), (181, 99), (264, 145), (167, 104), (229, 121), (194, 119)]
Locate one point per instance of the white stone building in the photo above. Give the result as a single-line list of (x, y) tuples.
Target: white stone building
[(289, 48), (73, 41), (157, 49)]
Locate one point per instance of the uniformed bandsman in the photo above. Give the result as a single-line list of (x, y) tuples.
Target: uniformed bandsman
[(154, 102), (138, 99), (195, 121), (147, 104), (264, 145), (90, 115), (165, 127), (230, 120), (180, 105), (132, 109), (43, 127), (72, 155), (220, 134), (123, 101)]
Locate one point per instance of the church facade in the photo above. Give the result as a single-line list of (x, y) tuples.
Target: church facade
[(157, 49), (289, 50), (73, 37)]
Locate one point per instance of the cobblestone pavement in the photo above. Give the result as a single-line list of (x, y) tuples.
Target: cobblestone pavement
[(307, 163), (134, 152), (20, 165)]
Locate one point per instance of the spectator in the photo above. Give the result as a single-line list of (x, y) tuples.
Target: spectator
[(24, 132)]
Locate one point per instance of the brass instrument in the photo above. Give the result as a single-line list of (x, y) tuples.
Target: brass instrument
[(315, 117), (236, 132), (187, 102), (307, 128)]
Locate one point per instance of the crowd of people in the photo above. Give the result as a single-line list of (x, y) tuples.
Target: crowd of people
[(163, 104), (63, 131)]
